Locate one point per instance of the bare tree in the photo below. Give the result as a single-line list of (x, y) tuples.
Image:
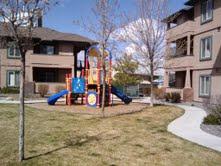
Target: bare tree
[(18, 19), (145, 34), (105, 13)]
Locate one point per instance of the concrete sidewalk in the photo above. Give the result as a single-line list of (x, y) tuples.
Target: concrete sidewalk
[(188, 127)]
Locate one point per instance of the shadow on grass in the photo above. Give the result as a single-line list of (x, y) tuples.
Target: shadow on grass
[(71, 141), (46, 153)]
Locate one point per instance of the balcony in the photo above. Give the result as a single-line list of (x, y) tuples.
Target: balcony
[(51, 60), (179, 62), (179, 31)]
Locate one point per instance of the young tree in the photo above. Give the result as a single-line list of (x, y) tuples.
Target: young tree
[(125, 68), (105, 13), (146, 35), (18, 19)]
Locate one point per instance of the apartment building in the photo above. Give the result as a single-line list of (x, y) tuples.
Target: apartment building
[(53, 55), (193, 60)]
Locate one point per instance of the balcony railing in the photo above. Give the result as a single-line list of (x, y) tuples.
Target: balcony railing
[(179, 61), (51, 60), (181, 30)]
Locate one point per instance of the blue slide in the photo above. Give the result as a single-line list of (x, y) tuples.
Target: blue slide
[(53, 99), (120, 95)]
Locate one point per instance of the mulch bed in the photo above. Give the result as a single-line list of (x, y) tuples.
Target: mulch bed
[(212, 129), (117, 108)]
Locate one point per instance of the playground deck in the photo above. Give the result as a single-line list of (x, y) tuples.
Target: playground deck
[(117, 108)]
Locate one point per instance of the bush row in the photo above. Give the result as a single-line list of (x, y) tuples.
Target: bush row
[(173, 97), (43, 89), (9, 90)]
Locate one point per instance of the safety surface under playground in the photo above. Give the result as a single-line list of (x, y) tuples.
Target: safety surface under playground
[(116, 109)]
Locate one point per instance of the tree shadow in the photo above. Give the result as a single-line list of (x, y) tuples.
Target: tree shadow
[(71, 141), (46, 153)]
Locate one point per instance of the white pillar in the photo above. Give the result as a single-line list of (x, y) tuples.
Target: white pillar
[(188, 45), (188, 80), (31, 74), (166, 79), (72, 71)]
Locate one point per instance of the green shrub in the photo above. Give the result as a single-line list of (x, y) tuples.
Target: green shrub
[(10, 90), (167, 96), (43, 89), (59, 88), (212, 120), (213, 106), (175, 97), (217, 110)]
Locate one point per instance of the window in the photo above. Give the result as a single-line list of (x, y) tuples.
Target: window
[(172, 79), (47, 49), (13, 79), (13, 52), (205, 82), (48, 76), (206, 48), (207, 10), (173, 49), (50, 50)]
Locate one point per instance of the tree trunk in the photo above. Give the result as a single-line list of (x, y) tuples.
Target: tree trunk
[(151, 84), (104, 90), (22, 110)]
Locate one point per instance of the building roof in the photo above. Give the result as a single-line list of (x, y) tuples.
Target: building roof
[(191, 2), (177, 14), (47, 34), (50, 34)]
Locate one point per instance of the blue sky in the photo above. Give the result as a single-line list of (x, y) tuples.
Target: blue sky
[(61, 17)]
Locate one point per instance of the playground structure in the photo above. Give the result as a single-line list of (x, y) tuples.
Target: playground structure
[(88, 84)]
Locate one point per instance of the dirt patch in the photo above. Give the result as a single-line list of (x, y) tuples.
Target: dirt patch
[(117, 108)]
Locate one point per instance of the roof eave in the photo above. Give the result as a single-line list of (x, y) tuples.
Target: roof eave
[(190, 2)]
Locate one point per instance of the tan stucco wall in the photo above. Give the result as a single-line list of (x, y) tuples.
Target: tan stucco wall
[(201, 67), (11, 64), (65, 60), (216, 48), (205, 67), (210, 25), (215, 84)]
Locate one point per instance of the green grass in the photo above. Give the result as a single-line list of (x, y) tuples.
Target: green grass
[(61, 138)]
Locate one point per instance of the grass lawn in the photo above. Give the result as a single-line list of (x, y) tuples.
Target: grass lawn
[(62, 138)]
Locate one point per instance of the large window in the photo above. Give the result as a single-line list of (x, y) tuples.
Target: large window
[(13, 78), (47, 49), (13, 51), (48, 76), (206, 10), (206, 48), (55, 75), (205, 84), (172, 79)]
